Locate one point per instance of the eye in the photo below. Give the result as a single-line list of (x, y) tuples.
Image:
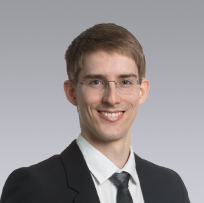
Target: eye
[(125, 82), (96, 82)]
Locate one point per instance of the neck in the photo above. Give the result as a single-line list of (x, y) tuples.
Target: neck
[(116, 151)]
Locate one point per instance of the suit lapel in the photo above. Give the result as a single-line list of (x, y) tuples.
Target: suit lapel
[(148, 181), (78, 175), (145, 180)]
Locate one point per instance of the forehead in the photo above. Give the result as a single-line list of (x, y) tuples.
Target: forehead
[(108, 64)]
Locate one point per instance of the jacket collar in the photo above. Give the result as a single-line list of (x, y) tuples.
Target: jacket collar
[(80, 180), (78, 174)]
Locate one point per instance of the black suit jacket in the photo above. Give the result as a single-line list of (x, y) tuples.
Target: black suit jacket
[(65, 178)]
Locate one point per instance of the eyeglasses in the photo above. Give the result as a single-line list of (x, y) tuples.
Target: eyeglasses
[(124, 86)]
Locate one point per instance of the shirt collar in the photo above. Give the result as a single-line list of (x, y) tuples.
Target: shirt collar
[(100, 166)]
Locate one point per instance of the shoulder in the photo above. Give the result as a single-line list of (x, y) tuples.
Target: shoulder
[(41, 180), (49, 170), (164, 179), (154, 170)]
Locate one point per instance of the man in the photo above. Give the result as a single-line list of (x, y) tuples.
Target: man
[(106, 70)]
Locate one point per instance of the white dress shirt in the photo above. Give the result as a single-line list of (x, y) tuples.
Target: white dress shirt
[(101, 169)]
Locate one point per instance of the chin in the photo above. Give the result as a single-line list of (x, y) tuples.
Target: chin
[(104, 133), (110, 135)]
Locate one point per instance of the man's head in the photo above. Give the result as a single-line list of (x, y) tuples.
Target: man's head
[(106, 52), (108, 37)]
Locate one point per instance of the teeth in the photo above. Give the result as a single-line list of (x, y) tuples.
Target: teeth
[(111, 114)]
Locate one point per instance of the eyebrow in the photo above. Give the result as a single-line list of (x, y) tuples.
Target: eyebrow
[(100, 76), (127, 75)]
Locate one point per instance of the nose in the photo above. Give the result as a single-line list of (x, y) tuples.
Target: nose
[(111, 94)]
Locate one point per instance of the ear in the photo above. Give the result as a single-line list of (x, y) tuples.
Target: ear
[(144, 89), (69, 90)]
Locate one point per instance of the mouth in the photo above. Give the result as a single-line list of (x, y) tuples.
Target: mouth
[(111, 114)]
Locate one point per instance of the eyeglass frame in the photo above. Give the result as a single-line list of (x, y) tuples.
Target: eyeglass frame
[(107, 83)]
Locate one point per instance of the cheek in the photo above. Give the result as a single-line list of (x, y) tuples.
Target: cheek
[(86, 102), (133, 100), (133, 103)]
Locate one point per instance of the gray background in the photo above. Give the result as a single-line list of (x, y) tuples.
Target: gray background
[(36, 120)]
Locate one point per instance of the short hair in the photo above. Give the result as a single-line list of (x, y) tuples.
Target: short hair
[(107, 37)]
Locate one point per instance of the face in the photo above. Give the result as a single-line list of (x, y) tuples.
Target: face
[(106, 116)]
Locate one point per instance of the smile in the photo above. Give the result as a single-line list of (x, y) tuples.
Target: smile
[(108, 114), (111, 116)]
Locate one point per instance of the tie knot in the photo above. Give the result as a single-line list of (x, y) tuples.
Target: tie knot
[(120, 179)]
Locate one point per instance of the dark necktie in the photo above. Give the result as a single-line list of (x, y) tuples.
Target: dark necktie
[(121, 181)]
